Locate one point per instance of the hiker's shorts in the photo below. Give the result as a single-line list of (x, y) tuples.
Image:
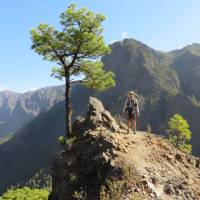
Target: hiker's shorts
[(132, 114)]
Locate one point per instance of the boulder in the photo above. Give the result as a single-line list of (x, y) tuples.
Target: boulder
[(98, 116)]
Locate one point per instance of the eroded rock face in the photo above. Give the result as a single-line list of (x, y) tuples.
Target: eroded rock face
[(97, 116)]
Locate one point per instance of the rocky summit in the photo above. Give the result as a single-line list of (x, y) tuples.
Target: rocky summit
[(102, 162)]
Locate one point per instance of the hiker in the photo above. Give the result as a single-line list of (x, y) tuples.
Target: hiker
[(132, 109)]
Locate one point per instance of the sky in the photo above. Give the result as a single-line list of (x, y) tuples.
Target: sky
[(162, 24)]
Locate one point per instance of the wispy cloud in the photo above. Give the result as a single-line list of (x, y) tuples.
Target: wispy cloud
[(3, 88), (112, 41), (30, 90), (124, 35)]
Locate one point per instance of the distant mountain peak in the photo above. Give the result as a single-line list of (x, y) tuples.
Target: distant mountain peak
[(16, 109), (193, 49)]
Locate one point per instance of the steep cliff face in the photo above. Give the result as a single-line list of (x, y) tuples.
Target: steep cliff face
[(17, 109), (187, 65), (136, 64), (31, 148), (103, 162)]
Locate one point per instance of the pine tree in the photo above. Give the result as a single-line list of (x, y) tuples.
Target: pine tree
[(179, 133), (76, 49)]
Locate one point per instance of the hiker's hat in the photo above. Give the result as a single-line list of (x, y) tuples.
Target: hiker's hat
[(131, 93)]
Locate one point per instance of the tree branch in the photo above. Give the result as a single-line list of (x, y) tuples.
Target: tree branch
[(77, 81), (89, 53), (74, 57), (59, 57)]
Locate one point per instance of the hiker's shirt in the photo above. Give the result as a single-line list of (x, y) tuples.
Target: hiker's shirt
[(131, 104)]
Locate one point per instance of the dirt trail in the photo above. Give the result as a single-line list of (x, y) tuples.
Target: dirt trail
[(161, 166)]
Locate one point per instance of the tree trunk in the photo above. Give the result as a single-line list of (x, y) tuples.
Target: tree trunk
[(177, 141), (68, 125)]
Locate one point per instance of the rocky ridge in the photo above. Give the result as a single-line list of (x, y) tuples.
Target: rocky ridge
[(103, 162)]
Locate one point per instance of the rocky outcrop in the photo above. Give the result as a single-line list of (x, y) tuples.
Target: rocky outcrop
[(104, 163), (96, 117)]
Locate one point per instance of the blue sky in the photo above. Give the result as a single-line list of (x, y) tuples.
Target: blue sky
[(162, 24)]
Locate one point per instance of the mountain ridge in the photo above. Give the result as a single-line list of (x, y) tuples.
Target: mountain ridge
[(31, 148), (16, 109)]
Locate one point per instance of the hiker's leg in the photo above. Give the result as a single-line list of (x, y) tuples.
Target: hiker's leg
[(134, 125), (128, 125)]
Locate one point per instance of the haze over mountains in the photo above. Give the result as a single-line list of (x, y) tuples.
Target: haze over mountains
[(16, 109), (166, 83), (31, 148)]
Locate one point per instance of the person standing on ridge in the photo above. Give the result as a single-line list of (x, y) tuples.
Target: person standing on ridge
[(131, 107)]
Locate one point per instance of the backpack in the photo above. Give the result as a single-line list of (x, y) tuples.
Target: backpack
[(130, 107)]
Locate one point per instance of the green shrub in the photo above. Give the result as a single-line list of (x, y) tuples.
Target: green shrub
[(61, 140), (25, 194), (179, 133), (71, 140)]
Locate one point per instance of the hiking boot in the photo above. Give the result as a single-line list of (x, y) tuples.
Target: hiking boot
[(128, 131), (134, 131)]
